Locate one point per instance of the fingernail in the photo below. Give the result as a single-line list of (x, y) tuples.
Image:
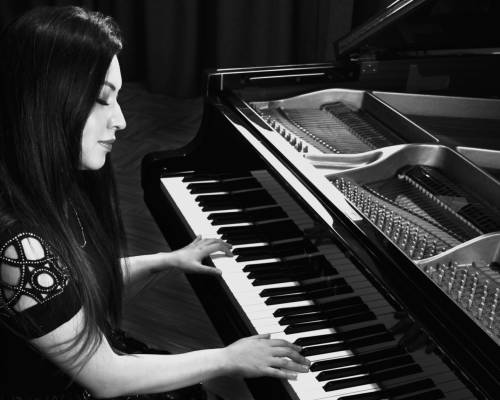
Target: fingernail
[(305, 367), (308, 361)]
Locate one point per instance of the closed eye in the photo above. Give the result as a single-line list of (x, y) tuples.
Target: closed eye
[(102, 102)]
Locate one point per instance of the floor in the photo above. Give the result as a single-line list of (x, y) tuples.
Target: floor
[(163, 311)]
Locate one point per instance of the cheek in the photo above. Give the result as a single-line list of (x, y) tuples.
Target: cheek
[(90, 132)]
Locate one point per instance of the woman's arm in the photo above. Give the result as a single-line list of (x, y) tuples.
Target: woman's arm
[(188, 259), (107, 374)]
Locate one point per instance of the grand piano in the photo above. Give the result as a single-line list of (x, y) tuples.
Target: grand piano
[(351, 190)]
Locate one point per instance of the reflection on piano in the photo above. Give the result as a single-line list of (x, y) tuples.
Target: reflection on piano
[(344, 204)]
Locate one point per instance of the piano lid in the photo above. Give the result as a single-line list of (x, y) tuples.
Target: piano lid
[(422, 28)]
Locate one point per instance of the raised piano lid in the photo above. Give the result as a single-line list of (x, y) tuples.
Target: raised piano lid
[(423, 28)]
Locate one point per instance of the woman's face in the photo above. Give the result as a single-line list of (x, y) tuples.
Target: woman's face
[(104, 120)]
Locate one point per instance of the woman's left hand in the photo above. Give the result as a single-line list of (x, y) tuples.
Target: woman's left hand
[(189, 258)]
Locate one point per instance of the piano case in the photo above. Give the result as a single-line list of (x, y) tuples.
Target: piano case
[(386, 165)]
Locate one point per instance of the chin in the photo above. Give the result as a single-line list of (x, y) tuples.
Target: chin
[(93, 165)]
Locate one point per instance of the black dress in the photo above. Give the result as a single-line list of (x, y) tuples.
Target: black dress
[(24, 372)]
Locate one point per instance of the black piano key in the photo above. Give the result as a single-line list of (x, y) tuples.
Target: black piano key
[(363, 332), (295, 248), (303, 288), (383, 354), (391, 363), (216, 177), (269, 281), (337, 313), (199, 178), (316, 263), (354, 319), (254, 198), (282, 312), (397, 373), (435, 394), (341, 373), (401, 390), (409, 388), (243, 240), (246, 254), (332, 291), (214, 198), (265, 266), (218, 207), (210, 187), (266, 214), (235, 230), (291, 298), (334, 363), (234, 175), (347, 383), (307, 327), (228, 218), (371, 340), (268, 274), (320, 339), (367, 358), (302, 273), (242, 184), (296, 319), (324, 349), (345, 311), (335, 337)]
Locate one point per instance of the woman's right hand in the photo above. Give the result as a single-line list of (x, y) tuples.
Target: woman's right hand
[(259, 355)]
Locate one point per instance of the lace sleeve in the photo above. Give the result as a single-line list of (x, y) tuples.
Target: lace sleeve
[(33, 284)]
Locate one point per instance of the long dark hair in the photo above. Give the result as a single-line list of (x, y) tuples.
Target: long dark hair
[(53, 64)]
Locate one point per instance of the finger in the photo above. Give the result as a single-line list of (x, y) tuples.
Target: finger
[(203, 269), (286, 364), (410, 336), (197, 239), (278, 373), (284, 343), (217, 246), (261, 336), (285, 352), (400, 314), (431, 347), (419, 342), (402, 326), (322, 238)]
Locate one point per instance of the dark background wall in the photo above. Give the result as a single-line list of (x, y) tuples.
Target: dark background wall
[(169, 42)]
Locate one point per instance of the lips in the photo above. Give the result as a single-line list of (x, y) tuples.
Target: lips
[(107, 144)]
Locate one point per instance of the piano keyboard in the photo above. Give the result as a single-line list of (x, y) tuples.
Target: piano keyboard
[(307, 293)]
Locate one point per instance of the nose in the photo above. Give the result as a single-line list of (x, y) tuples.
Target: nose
[(117, 120)]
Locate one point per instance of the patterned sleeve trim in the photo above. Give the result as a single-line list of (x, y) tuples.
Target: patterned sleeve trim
[(40, 279)]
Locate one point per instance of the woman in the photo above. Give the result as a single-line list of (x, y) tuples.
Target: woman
[(61, 237)]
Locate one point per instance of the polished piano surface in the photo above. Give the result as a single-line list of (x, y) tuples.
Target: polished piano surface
[(349, 191)]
